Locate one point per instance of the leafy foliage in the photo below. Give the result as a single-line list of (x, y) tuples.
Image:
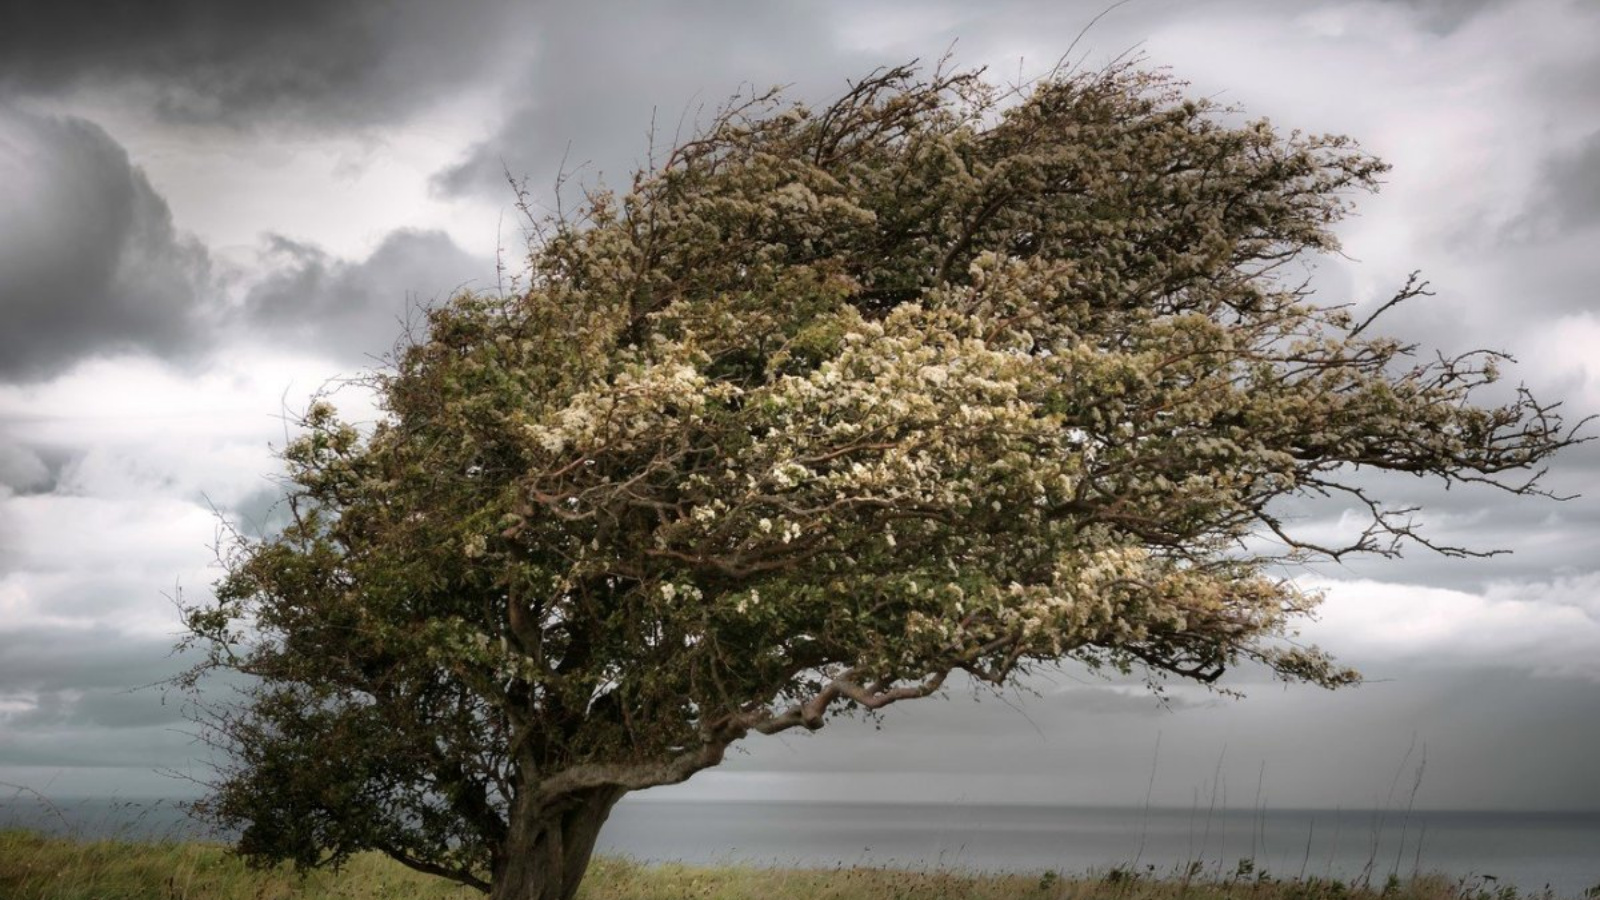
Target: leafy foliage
[(828, 405)]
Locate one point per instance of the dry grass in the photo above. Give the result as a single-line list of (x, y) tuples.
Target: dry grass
[(33, 867), (40, 868)]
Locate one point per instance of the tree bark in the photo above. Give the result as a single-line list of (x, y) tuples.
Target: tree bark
[(547, 849)]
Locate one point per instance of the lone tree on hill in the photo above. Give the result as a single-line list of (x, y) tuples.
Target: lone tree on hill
[(829, 405)]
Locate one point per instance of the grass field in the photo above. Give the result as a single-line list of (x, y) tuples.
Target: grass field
[(33, 867)]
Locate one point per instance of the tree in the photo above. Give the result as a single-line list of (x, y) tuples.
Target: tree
[(829, 405)]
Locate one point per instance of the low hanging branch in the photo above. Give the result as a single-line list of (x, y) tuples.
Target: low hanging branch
[(828, 406)]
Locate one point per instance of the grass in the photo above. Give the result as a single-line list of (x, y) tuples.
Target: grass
[(35, 867)]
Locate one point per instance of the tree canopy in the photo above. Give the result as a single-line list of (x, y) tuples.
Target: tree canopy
[(828, 405)]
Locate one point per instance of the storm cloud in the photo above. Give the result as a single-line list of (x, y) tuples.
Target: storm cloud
[(599, 75), (324, 65), (22, 470), (90, 261), (355, 311), (1573, 185)]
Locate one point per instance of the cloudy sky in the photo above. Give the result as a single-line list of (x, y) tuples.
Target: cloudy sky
[(209, 211)]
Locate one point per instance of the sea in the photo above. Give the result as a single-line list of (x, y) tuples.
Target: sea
[(1535, 852)]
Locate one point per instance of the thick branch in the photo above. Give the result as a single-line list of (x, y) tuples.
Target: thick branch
[(405, 859), (876, 696)]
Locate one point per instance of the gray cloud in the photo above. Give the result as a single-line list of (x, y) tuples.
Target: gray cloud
[(601, 71), (91, 263), (1572, 195), (8, 532), (22, 470), (150, 746), (115, 708), (1533, 538), (599, 75), (261, 513), (1049, 710), (44, 659), (329, 64), (89, 259), (78, 687), (1445, 16), (1550, 236), (1312, 748), (358, 309)]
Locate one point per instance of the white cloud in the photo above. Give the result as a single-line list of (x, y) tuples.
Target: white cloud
[(83, 562), (1549, 629), (344, 193), (150, 451), (1563, 352)]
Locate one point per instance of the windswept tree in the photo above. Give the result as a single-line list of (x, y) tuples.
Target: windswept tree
[(830, 405)]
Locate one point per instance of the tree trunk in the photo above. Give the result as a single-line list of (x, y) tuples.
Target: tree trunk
[(547, 850)]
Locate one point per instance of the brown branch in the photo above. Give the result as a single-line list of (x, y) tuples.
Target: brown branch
[(635, 776), (427, 868), (810, 713)]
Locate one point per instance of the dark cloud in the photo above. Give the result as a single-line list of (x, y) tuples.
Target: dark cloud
[(330, 64), (1313, 748), (261, 513), (91, 263), (1530, 537), (23, 470), (1572, 186), (358, 309), (46, 659), (601, 71), (113, 708), (89, 259), (1479, 307), (8, 533), (91, 697), (1548, 239), (1049, 711), (1445, 16), (68, 747)]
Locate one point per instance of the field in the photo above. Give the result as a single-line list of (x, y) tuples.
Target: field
[(34, 867)]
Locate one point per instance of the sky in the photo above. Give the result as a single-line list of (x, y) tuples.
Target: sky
[(210, 211)]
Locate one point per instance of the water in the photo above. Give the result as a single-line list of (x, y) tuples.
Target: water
[(89, 818), (1527, 850)]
